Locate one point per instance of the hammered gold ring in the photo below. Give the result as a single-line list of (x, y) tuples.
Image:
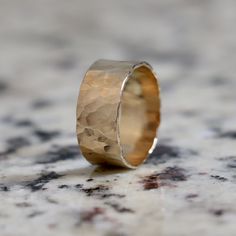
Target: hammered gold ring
[(118, 113)]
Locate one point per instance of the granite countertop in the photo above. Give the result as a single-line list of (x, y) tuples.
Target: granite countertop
[(186, 187)]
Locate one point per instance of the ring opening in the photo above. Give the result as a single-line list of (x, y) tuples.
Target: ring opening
[(140, 115)]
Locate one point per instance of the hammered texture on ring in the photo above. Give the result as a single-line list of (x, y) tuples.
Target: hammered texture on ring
[(118, 113)]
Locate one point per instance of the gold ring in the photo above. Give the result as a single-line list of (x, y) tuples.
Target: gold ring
[(118, 113)]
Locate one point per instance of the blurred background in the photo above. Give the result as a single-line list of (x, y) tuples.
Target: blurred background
[(46, 46)]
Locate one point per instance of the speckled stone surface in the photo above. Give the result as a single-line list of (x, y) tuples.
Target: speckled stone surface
[(187, 186)]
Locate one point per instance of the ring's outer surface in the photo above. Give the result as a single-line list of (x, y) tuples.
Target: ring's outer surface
[(118, 113)]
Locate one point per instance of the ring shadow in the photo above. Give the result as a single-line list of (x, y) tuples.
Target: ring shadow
[(88, 171), (95, 171)]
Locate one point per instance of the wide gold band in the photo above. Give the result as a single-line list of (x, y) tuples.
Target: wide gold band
[(118, 113)]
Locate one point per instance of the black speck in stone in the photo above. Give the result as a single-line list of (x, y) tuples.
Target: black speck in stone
[(89, 180), (232, 165), (18, 142), (108, 195), (23, 204), (13, 144), (218, 81), (60, 154), (45, 135), (4, 188), (223, 179), (66, 63), (173, 173), (3, 86), (189, 113), (24, 123), (34, 214), (63, 186), (163, 152), (39, 104), (228, 134), (119, 208), (39, 183), (217, 212), (191, 196), (95, 190), (167, 150), (230, 161), (79, 186)]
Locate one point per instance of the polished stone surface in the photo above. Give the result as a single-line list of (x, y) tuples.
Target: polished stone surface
[(187, 186)]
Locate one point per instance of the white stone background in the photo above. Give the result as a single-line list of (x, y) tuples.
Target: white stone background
[(45, 48)]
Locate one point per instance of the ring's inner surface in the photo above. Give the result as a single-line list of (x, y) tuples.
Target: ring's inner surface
[(140, 115)]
